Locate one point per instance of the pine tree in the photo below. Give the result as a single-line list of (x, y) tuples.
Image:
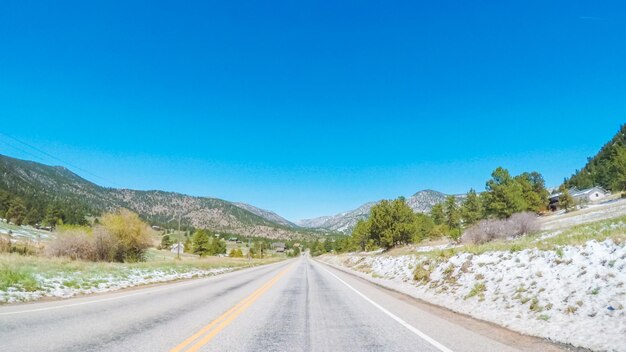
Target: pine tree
[(618, 169), (453, 215), (565, 199), (472, 208), (166, 241), (361, 234), (16, 212), (438, 214), (201, 243), (504, 196), (218, 246)]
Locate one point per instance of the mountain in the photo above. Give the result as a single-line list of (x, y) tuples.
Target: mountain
[(266, 214), (38, 185), (606, 169), (420, 202), (343, 222)]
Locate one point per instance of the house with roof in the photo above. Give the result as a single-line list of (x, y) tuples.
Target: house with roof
[(279, 247), (584, 196), (176, 246)]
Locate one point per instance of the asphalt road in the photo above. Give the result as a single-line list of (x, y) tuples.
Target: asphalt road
[(295, 305)]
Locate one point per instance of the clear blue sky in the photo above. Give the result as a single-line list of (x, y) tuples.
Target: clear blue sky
[(311, 108)]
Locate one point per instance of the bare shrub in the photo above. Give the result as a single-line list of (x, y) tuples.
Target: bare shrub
[(491, 229), (121, 237), (106, 246), (523, 224), (72, 245)]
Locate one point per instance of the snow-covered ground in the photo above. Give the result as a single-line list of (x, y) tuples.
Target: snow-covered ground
[(23, 232), (69, 285), (593, 212), (574, 294)]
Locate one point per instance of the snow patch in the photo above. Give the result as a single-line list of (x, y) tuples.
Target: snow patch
[(574, 295)]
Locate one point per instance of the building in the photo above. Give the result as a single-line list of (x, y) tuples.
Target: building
[(175, 247), (589, 195), (279, 247)]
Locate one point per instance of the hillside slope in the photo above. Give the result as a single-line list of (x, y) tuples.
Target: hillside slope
[(43, 184), (606, 169), (266, 214)]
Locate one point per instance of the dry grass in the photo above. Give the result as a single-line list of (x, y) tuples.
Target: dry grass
[(22, 271)]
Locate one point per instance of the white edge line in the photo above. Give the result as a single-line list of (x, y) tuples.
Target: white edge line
[(414, 330)]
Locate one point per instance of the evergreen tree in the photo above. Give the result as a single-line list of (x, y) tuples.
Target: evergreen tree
[(453, 217), (392, 223), (361, 234), (472, 208), (423, 225), (534, 191), (437, 214), (328, 245), (606, 169), (218, 246), (33, 216), (452, 212), (53, 216), (504, 196), (566, 201), (201, 243), (166, 241), (16, 212), (618, 170)]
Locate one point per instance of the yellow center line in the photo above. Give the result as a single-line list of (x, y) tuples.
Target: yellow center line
[(226, 318)]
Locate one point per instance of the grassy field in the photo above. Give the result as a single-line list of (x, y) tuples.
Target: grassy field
[(48, 276)]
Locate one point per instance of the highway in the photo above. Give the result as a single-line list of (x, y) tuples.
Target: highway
[(294, 305)]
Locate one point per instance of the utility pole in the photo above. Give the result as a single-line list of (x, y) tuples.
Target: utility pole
[(178, 254)]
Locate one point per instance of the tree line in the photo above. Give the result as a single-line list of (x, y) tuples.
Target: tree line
[(606, 169), (32, 210), (393, 222)]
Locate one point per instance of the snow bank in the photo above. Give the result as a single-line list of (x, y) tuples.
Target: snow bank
[(574, 295), (65, 286)]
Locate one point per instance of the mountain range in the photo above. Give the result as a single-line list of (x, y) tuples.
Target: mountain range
[(39, 183), (43, 183), (420, 202)]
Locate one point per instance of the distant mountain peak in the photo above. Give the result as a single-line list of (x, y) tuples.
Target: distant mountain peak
[(421, 202)]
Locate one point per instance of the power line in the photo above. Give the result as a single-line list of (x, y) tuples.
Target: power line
[(36, 157), (55, 158)]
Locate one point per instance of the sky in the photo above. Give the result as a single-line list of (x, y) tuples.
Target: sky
[(310, 108)]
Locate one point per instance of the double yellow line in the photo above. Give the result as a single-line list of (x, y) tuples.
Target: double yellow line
[(208, 332)]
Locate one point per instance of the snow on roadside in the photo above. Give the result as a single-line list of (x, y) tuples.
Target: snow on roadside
[(574, 295), (65, 286)]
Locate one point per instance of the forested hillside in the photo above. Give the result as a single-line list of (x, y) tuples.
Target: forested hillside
[(607, 169), (33, 193)]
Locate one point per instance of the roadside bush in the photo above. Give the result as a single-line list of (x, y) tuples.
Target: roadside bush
[(106, 246), (523, 224), (236, 253), (492, 229), (122, 237), (131, 234), (72, 245)]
